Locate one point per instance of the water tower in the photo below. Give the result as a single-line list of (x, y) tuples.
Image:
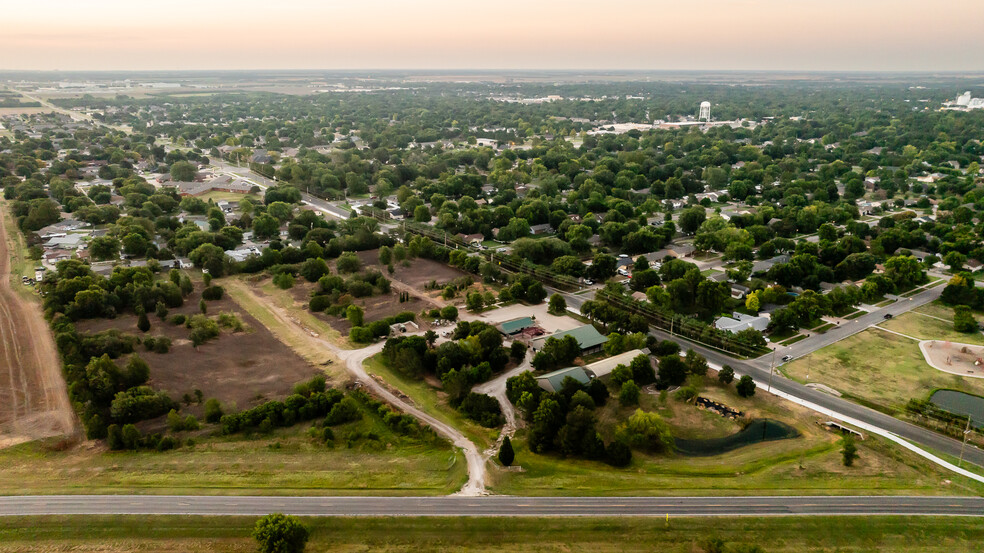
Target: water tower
[(705, 111)]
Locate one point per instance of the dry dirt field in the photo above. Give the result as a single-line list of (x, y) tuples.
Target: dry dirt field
[(242, 368), (375, 307), (33, 398)]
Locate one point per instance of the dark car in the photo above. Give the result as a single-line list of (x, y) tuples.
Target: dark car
[(888, 315)]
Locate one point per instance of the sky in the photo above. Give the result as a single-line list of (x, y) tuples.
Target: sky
[(808, 35)]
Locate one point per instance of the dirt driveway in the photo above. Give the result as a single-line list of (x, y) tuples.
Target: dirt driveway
[(33, 396)]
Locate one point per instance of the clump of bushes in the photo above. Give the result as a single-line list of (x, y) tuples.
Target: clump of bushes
[(157, 344)]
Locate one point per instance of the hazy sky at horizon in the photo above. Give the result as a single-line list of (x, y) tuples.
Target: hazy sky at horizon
[(887, 35)]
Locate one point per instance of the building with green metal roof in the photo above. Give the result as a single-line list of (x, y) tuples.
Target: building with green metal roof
[(553, 382), (515, 326), (587, 337)]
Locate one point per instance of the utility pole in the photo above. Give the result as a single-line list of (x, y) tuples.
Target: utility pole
[(964, 444), (772, 370)]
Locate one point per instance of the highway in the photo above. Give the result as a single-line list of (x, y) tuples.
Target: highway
[(493, 506), (758, 369)]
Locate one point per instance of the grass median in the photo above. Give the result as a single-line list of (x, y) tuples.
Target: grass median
[(466, 535)]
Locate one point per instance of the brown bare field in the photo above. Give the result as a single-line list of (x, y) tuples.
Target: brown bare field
[(243, 368), (374, 308), (33, 397)]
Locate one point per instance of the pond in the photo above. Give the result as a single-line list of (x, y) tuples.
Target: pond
[(759, 430), (960, 403)]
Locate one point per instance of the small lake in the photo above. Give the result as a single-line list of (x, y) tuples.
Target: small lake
[(760, 430), (960, 403)]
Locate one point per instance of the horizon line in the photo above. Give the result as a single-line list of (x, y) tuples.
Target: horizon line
[(505, 70)]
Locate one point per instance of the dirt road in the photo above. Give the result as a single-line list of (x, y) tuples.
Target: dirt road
[(33, 397), (354, 360)]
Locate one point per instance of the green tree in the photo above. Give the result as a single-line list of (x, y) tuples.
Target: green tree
[(691, 219), (266, 226), (644, 430), (183, 171), (963, 319), (284, 281), (745, 386), (385, 255), (557, 305), (849, 452), (506, 454), (213, 410), (629, 394), (104, 247), (354, 314), (278, 533), (421, 214), (143, 323), (348, 262), (726, 375)]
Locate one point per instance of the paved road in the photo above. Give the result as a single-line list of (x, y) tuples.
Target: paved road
[(324, 206), (848, 328), (492, 506), (759, 370)]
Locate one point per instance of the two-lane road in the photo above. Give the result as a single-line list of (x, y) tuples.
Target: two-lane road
[(494, 506), (759, 370)]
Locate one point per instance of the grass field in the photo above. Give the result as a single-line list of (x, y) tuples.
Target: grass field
[(431, 400), (473, 535), (928, 326), (286, 461), (879, 368), (806, 465), (21, 263), (216, 195)]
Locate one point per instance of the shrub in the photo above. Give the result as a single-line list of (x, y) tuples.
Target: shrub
[(143, 323), (158, 344), (203, 329), (849, 452), (213, 410), (629, 395), (482, 408), (319, 303), (745, 386), (140, 403), (645, 431), (506, 454), (449, 313), (346, 410), (213, 293), (726, 375), (618, 454), (231, 321), (178, 319), (284, 281)]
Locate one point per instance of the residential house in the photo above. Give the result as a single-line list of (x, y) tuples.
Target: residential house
[(740, 321)]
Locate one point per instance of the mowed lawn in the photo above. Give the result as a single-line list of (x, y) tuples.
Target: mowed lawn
[(495, 534), (879, 368), (810, 464), (925, 327), (286, 462)]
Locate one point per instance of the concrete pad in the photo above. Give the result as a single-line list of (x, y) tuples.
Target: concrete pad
[(546, 321)]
